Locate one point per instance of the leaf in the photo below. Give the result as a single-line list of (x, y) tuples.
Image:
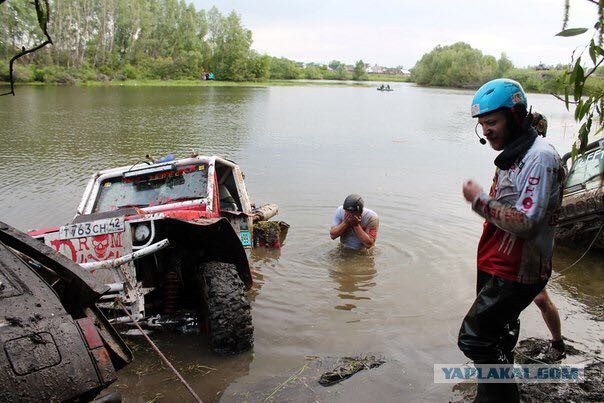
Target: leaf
[(579, 82), (572, 32), (592, 51), (573, 75), (586, 109), (574, 152), (578, 110)]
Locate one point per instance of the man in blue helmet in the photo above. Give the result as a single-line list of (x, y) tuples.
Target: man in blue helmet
[(355, 225), (515, 250)]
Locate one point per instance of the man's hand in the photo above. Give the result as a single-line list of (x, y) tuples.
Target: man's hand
[(352, 220), (470, 190)]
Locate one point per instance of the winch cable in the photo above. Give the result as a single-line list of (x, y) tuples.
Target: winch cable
[(163, 357), (561, 273)]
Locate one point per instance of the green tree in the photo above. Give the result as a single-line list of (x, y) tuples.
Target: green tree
[(312, 72), (504, 64), (337, 71), (284, 69), (458, 65), (588, 103), (235, 50), (359, 72), (259, 67)]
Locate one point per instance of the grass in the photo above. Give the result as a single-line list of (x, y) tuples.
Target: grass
[(389, 78)]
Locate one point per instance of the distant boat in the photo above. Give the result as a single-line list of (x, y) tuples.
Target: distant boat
[(382, 88)]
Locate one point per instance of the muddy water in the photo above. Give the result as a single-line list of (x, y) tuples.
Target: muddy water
[(305, 148)]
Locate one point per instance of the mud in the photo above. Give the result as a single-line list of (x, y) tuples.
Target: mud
[(303, 383), (592, 390), (270, 234), (348, 367), (582, 233), (528, 351)]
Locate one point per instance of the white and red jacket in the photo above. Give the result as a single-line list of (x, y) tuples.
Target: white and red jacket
[(520, 212)]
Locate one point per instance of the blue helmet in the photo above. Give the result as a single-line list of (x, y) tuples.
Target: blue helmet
[(496, 94)]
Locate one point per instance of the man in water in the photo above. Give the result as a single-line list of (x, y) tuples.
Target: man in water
[(515, 250), (355, 225)]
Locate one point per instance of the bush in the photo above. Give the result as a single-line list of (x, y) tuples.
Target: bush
[(53, 74), (22, 73), (4, 71), (284, 69), (85, 73), (159, 68), (312, 73), (131, 72)]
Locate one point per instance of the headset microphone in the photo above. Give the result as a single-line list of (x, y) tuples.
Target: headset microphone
[(482, 141)]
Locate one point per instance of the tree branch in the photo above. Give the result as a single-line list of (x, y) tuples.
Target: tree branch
[(562, 99), (43, 17), (593, 70)]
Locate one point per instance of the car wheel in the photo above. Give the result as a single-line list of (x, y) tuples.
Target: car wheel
[(228, 309)]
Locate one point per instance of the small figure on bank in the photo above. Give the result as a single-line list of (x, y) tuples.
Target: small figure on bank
[(355, 225), (515, 250)]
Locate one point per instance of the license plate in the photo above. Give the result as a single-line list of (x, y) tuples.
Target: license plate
[(92, 228)]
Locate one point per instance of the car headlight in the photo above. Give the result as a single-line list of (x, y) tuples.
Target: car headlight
[(142, 232)]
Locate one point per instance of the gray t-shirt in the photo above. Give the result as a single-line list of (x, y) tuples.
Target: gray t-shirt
[(369, 222)]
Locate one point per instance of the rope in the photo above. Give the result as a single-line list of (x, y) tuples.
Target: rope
[(163, 357), (561, 273)]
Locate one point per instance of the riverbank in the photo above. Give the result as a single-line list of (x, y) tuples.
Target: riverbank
[(533, 81), (389, 78), (198, 83)]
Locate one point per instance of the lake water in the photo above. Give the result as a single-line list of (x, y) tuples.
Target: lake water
[(305, 148)]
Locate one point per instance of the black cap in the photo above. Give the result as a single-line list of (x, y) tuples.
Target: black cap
[(354, 203)]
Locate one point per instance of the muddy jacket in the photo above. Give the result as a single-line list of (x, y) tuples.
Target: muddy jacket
[(520, 213)]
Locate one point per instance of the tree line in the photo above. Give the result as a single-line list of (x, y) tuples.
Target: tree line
[(461, 66), (143, 39), (101, 40)]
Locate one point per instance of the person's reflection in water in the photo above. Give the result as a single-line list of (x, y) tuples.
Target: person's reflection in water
[(354, 272)]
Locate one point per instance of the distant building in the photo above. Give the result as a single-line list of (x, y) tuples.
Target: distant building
[(375, 69)]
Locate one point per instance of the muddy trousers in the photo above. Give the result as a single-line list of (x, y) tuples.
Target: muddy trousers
[(490, 330)]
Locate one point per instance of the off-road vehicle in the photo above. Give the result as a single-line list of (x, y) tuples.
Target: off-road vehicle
[(188, 223), (582, 214)]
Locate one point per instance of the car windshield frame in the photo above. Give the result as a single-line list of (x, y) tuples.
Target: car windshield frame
[(586, 168), (184, 182)]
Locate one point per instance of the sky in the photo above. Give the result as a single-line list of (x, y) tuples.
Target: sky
[(392, 33)]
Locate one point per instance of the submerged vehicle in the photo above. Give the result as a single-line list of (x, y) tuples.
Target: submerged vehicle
[(193, 221), (56, 344), (582, 213)]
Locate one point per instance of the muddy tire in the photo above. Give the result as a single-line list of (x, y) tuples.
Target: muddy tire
[(228, 309)]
